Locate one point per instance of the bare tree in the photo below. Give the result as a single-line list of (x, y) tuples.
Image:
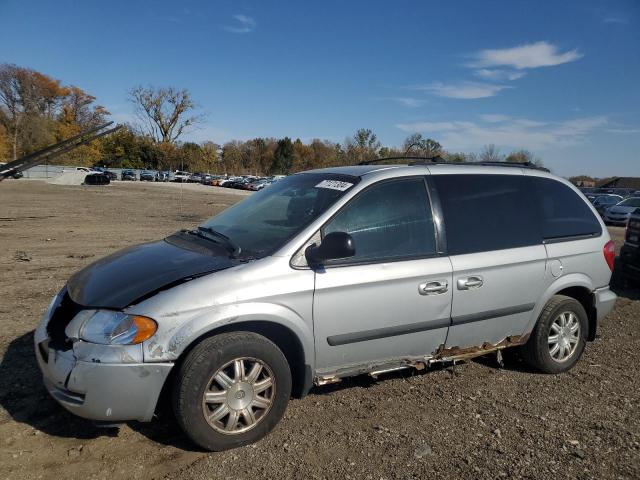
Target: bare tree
[(424, 147), (491, 153), (164, 112)]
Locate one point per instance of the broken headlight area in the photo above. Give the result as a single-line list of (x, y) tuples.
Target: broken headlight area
[(109, 327), (63, 310)]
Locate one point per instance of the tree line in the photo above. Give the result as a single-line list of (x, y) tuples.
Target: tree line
[(37, 110)]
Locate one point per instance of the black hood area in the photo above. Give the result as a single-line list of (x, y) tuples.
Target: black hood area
[(124, 277)]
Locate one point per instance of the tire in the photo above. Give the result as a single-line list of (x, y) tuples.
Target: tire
[(195, 376), (537, 352)]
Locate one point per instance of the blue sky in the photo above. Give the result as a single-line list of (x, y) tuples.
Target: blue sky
[(561, 79)]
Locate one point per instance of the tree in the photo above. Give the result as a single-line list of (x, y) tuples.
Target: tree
[(36, 111), (455, 157), (165, 113), (232, 157), (27, 104), (283, 157), (364, 145), (210, 156), (521, 156), (124, 149), (491, 153), (415, 144)]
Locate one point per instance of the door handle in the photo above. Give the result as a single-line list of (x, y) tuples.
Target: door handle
[(433, 288), (470, 282)]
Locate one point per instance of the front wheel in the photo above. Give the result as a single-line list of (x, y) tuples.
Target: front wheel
[(559, 337), (231, 390)]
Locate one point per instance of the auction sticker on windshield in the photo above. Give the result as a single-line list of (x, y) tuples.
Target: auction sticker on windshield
[(334, 185)]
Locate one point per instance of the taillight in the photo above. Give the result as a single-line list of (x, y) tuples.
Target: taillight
[(609, 252)]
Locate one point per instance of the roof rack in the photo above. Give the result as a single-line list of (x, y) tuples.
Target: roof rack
[(437, 159)]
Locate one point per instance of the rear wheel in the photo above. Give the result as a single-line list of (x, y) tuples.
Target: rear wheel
[(559, 337), (231, 390)]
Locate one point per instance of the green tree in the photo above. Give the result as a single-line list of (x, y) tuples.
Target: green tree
[(283, 157), (364, 145)]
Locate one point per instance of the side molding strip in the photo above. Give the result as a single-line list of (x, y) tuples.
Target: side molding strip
[(486, 315), (365, 335)]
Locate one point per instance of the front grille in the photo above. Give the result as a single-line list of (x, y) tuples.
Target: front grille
[(60, 318)]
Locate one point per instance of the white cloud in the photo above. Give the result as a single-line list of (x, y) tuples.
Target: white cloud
[(407, 101), (498, 74), (532, 55), (244, 24), (462, 90), (495, 117), (507, 132), (615, 19), (623, 130)]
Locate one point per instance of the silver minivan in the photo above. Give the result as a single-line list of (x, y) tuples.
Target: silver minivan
[(328, 274)]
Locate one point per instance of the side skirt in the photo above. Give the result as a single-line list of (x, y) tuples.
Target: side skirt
[(441, 355)]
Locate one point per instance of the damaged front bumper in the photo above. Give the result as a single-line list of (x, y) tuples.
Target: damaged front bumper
[(100, 382)]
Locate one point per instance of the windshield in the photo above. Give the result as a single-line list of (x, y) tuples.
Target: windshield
[(263, 222), (630, 202)]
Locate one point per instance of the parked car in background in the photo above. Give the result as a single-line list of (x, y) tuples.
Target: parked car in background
[(147, 176), (212, 179), (620, 213), (180, 176), (196, 177), (629, 259), (97, 178), (238, 184), (325, 275), (602, 202), (258, 185), (108, 173), (206, 179), (218, 180), (128, 175), (228, 180), (163, 176), (15, 175)]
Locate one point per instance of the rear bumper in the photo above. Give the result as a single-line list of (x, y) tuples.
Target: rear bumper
[(605, 300), (102, 391)]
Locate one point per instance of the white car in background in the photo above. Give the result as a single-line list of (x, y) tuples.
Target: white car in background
[(180, 176), (222, 183)]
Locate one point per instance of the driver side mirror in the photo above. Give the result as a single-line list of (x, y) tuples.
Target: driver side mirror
[(334, 245)]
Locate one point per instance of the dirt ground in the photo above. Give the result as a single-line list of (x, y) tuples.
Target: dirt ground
[(472, 421)]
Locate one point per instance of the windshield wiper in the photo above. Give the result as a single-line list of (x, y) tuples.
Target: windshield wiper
[(234, 249)]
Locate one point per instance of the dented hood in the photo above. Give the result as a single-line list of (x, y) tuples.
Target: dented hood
[(124, 277)]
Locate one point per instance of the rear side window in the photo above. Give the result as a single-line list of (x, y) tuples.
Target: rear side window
[(563, 213), (388, 221), (486, 212)]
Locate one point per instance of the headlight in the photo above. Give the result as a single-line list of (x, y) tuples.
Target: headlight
[(116, 328)]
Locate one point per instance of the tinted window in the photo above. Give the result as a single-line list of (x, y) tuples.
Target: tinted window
[(563, 213), (486, 212), (390, 220)]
